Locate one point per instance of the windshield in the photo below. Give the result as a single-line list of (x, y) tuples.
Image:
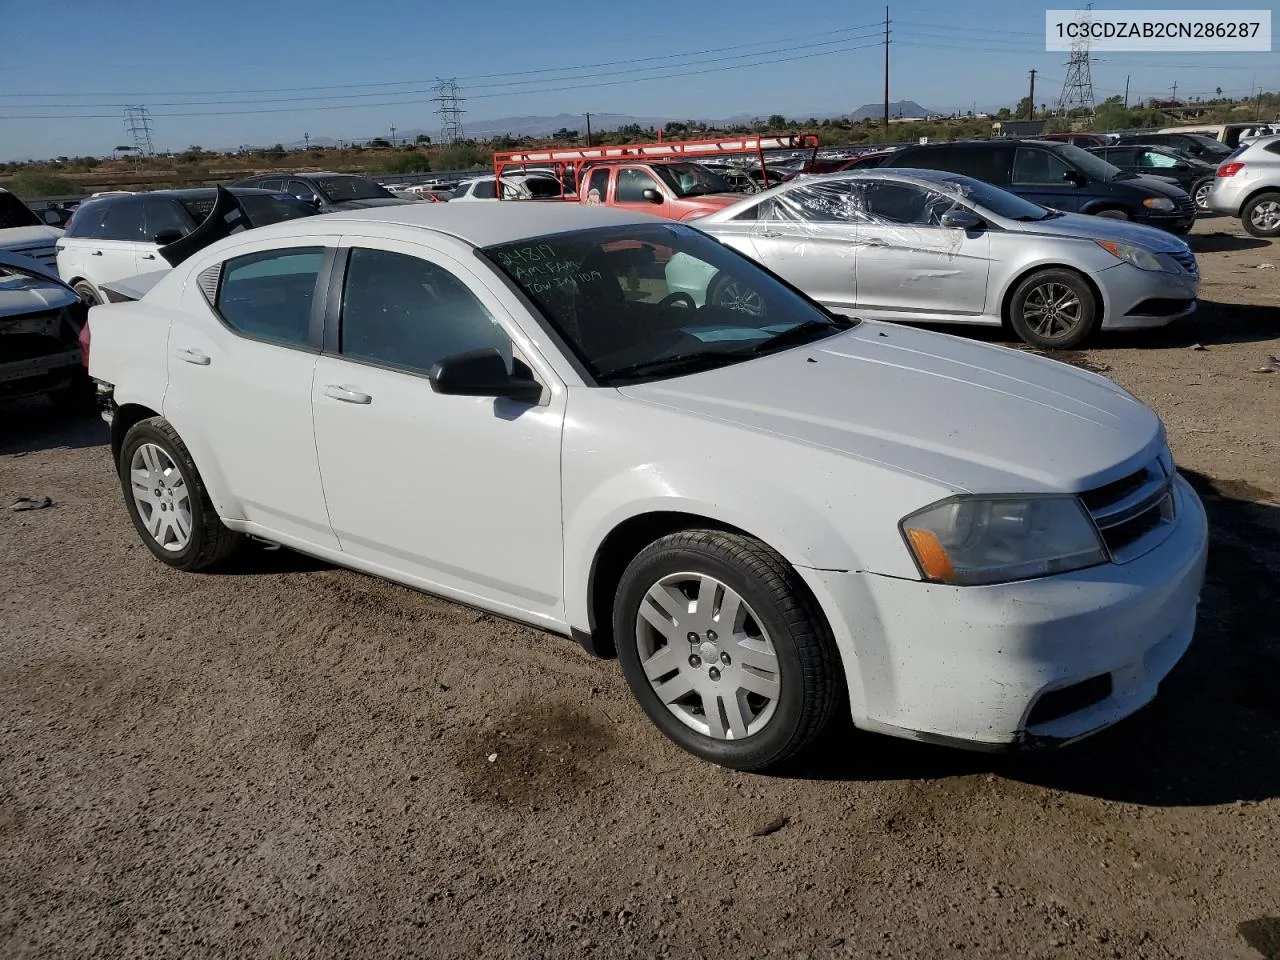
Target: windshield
[(339, 189), (1211, 146), (1095, 168), (647, 301), (14, 213), (691, 179)]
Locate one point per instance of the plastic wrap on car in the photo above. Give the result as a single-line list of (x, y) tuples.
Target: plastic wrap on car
[(892, 212)]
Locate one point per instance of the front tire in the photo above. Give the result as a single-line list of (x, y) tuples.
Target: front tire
[(167, 500), (1053, 310), (1261, 215), (725, 650), (729, 293), (87, 293)]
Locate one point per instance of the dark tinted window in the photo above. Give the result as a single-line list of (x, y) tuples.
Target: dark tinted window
[(485, 190), (1120, 156), (275, 183), (1032, 165), (905, 203), (982, 163), (410, 313), (262, 208), (339, 189), (631, 186), (123, 220), (87, 221), (268, 295), (299, 189), (14, 213), (163, 215), (599, 183), (1273, 147)]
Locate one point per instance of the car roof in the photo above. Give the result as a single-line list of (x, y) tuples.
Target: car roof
[(204, 192), (309, 173), (478, 224)]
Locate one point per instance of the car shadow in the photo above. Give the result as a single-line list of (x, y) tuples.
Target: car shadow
[(1221, 242), (27, 426), (1210, 737), (259, 559)]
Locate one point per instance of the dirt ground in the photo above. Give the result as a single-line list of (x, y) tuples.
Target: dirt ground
[(290, 760)]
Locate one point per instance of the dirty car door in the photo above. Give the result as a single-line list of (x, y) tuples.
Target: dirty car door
[(907, 261), (807, 235)]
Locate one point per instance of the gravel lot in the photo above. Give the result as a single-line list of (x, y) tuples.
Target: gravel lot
[(290, 760)]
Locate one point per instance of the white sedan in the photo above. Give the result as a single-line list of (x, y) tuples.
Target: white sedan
[(764, 515)]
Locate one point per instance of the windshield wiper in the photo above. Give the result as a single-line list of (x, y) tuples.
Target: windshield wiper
[(801, 333), (660, 365)]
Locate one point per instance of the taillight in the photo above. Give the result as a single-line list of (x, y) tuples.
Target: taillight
[(1230, 169), (84, 345)]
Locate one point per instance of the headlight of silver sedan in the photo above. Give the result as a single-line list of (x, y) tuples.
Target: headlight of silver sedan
[(973, 540), (1140, 258)]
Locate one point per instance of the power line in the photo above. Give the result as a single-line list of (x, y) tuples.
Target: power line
[(484, 96)]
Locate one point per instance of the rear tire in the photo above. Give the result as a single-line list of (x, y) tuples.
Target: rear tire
[(1261, 215), (87, 293), (1054, 310), (1200, 194), (167, 500), (763, 678)]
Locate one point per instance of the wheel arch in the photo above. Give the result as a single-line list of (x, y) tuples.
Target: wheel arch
[(126, 416), (1006, 298), (1254, 194)]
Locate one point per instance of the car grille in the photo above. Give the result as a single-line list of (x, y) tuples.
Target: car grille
[(1186, 206), (1135, 513), (43, 252), (1187, 261)]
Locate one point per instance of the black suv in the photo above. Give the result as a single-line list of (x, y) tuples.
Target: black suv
[(1060, 176), (328, 191), (1192, 175)]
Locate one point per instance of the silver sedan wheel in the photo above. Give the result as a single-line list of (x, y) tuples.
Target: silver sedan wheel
[(1266, 215), (707, 656), (161, 495), (1052, 310), (732, 295)]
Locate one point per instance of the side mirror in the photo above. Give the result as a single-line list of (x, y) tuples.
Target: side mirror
[(166, 237), (652, 195), (960, 219), (310, 198), (482, 373)]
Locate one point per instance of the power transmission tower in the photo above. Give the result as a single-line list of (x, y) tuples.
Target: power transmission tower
[(450, 110), (1077, 89), (137, 123)]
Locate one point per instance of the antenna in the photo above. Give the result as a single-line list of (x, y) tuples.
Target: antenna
[(1077, 89), (450, 110), (137, 123)]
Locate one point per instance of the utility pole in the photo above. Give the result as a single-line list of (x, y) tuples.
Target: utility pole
[(1175, 93), (886, 68), (306, 139), (588, 129), (393, 135), (1126, 91), (1031, 98)]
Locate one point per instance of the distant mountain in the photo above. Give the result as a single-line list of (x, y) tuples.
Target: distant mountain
[(898, 108)]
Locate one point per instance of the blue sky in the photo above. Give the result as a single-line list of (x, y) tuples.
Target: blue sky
[(84, 59)]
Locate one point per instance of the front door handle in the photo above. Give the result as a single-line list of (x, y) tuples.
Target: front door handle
[(337, 391), (192, 356), (96, 253), (767, 233), (148, 256)]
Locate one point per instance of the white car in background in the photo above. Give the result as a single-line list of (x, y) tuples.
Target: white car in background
[(766, 515), (515, 186), (120, 235)]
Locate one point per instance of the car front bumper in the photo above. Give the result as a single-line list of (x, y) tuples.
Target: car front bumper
[(977, 666), (1136, 298)]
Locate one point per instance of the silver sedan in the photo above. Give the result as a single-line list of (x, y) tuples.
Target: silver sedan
[(928, 246)]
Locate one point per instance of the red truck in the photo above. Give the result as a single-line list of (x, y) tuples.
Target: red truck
[(659, 178)]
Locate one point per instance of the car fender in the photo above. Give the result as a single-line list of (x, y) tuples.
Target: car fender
[(1089, 265)]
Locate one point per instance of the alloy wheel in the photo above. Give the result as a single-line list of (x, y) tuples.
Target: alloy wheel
[(161, 496), (1202, 196), (1052, 310), (707, 656), (1266, 215), (732, 295)]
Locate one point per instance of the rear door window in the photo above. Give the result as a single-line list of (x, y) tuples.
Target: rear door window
[(268, 295), (1031, 165), (484, 190), (165, 215), (123, 221), (598, 185)]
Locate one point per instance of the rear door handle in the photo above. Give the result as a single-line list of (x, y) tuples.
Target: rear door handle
[(192, 356), (767, 233), (96, 253), (148, 256), (336, 391)]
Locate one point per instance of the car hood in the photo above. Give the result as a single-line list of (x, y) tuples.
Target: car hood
[(968, 416), (27, 286), (1160, 186), (371, 202), (11, 237), (1088, 227)]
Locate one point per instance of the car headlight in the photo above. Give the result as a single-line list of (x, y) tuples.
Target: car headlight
[(1162, 204), (1142, 259), (967, 541)]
